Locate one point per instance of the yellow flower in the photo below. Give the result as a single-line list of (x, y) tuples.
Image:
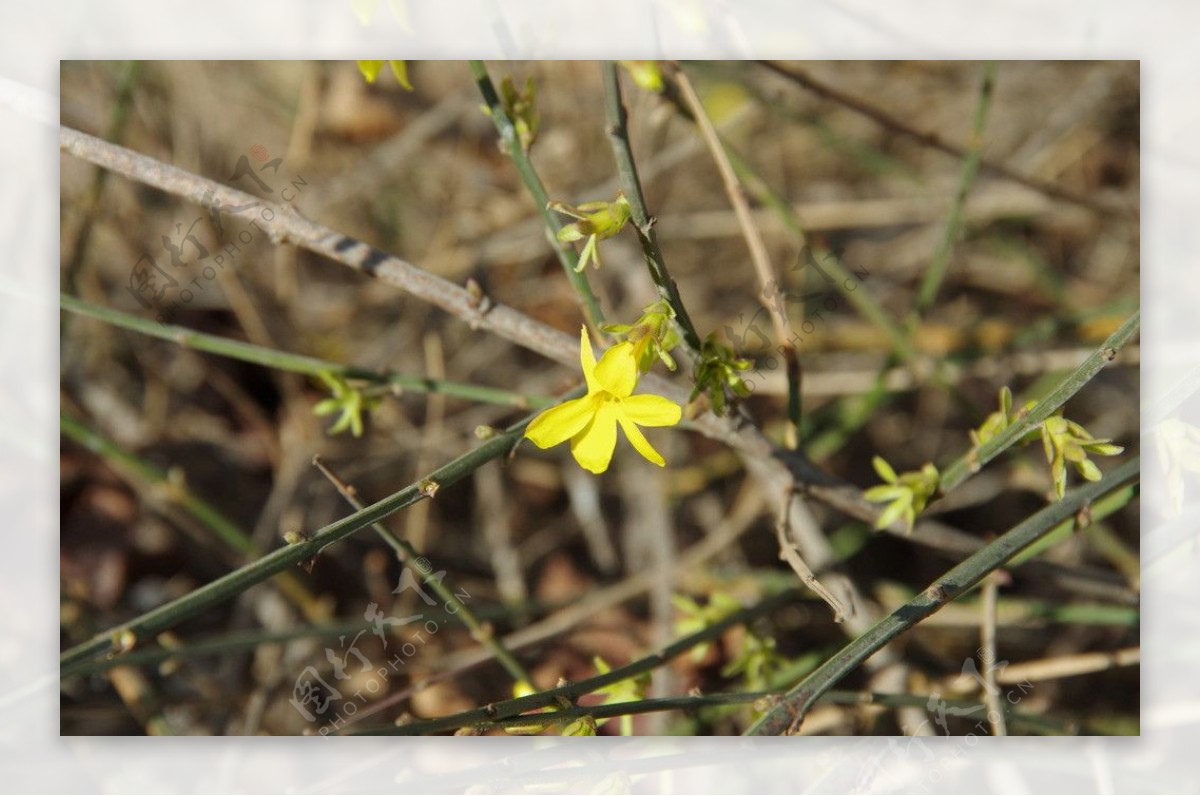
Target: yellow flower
[(590, 422), (597, 221)]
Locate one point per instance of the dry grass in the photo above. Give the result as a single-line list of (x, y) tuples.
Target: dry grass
[(1034, 284)]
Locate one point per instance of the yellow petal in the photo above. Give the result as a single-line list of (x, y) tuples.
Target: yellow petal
[(640, 443), (651, 410), (587, 359), (617, 372), (593, 447), (400, 70), (370, 69), (559, 423)]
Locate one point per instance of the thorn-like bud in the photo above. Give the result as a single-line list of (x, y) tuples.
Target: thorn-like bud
[(123, 641)]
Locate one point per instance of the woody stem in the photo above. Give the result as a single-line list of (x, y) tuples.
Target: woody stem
[(404, 549), (618, 136), (512, 145)]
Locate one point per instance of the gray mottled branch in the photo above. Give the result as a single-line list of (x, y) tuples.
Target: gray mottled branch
[(776, 469), (287, 225)]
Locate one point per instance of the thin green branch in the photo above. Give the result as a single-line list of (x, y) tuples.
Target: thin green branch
[(1108, 505), (178, 493), (218, 645), (296, 363), (611, 710), (962, 708), (971, 462), (286, 225), (400, 547), (236, 582), (404, 548), (954, 221), (773, 467), (512, 144), (222, 645), (573, 691), (643, 222), (788, 714), (222, 527)]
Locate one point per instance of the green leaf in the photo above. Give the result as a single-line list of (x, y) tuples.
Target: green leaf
[(892, 513), (884, 493), (884, 469), (327, 407), (1088, 469), (581, 727), (631, 689)]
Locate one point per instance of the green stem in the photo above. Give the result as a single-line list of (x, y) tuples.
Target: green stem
[(954, 221), (226, 531), (971, 462), (631, 186), (236, 582), (1100, 510), (404, 548), (226, 644), (792, 709), (573, 691), (295, 363), (962, 707), (238, 641), (614, 710), (520, 158)]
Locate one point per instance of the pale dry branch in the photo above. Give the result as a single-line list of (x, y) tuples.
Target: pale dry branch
[(741, 208), (987, 647), (777, 470), (770, 292), (286, 225), (789, 551), (881, 117), (1068, 666)]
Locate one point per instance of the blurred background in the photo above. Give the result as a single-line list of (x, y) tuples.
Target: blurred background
[(1035, 282)]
